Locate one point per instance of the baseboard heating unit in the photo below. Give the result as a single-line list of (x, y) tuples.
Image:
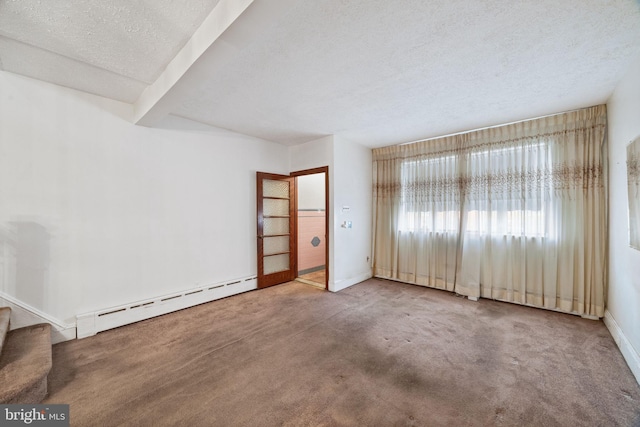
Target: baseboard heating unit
[(89, 324)]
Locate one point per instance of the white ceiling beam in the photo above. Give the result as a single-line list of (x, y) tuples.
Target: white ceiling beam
[(158, 98)]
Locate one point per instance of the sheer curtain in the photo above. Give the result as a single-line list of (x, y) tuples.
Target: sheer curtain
[(417, 201), (514, 213)]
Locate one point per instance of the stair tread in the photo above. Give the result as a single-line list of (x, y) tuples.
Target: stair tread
[(5, 316), (25, 360)]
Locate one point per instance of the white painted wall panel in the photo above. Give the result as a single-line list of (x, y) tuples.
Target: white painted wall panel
[(311, 192), (352, 174), (624, 262), (96, 212), (349, 185)]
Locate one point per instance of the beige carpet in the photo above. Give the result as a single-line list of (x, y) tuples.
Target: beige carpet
[(377, 354), (24, 364)]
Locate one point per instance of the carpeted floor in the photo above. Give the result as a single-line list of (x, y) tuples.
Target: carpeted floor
[(377, 354)]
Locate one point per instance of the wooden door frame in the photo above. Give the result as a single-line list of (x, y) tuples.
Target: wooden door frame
[(313, 171)]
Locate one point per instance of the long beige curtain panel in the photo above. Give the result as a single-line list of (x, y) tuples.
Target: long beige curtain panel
[(515, 213)]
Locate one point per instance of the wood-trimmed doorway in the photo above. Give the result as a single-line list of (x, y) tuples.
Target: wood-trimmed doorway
[(318, 274), (278, 229)]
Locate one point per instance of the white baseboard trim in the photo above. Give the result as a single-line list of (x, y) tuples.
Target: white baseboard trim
[(23, 314), (629, 353), (89, 324), (345, 283)]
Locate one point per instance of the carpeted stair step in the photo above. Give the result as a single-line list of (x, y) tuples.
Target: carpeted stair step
[(25, 363), (5, 315)]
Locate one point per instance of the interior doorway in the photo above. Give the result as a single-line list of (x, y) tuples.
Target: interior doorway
[(312, 226)]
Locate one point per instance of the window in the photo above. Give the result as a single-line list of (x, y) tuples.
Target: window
[(499, 199), (512, 212)]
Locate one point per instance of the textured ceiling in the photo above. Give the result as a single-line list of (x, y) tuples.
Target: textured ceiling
[(112, 48), (376, 72), (380, 72)]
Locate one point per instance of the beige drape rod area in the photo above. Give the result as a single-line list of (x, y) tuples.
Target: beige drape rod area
[(516, 213)]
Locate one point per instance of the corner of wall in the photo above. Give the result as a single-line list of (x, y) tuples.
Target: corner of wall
[(345, 283), (629, 353), (622, 315)]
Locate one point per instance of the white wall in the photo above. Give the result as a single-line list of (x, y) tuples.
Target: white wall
[(311, 192), (96, 212), (623, 317), (351, 202), (349, 185), (313, 154)]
